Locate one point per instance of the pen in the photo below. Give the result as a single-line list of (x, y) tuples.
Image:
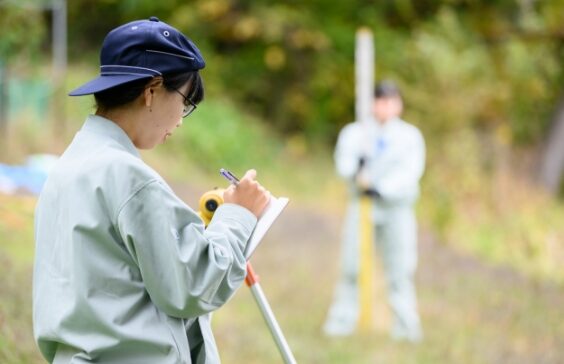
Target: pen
[(229, 176)]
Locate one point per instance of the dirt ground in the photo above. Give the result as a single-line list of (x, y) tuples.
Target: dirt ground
[(469, 309)]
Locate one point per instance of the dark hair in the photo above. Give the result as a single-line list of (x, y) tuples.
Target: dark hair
[(127, 92), (386, 88)]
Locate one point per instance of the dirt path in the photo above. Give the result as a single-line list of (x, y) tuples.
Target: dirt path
[(471, 311)]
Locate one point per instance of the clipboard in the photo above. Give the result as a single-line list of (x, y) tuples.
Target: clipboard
[(274, 208)]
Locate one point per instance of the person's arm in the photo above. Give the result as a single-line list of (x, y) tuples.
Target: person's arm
[(348, 153), (402, 181), (187, 270)]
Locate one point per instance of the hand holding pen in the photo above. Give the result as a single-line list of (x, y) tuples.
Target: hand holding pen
[(246, 192)]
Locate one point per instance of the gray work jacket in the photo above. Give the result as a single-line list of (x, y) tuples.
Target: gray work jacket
[(395, 159), (124, 270)]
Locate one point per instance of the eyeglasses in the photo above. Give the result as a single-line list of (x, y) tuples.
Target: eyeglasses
[(189, 105)]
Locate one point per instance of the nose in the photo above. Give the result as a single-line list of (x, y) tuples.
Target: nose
[(179, 124)]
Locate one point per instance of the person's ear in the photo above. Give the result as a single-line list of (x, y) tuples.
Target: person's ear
[(153, 86)]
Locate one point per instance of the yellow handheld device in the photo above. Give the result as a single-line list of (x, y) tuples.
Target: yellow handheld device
[(209, 202)]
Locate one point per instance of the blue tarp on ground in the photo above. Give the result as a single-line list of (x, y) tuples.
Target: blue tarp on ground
[(29, 177)]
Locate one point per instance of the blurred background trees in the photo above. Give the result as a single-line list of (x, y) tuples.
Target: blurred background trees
[(484, 64), (491, 66)]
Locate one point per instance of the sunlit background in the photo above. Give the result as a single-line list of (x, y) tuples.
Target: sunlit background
[(482, 79)]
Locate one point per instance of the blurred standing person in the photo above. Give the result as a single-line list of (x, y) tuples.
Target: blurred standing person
[(389, 171), (124, 270)]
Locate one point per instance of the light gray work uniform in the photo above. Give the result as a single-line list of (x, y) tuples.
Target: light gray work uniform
[(395, 160), (124, 270)]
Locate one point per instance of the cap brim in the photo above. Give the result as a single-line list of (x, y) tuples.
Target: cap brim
[(105, 82)]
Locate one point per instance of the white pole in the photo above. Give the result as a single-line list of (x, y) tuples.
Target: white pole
[(3, 98), (364, 85), (364, 74), (60, 36), (59, 63), (252, 280), (272, 324)]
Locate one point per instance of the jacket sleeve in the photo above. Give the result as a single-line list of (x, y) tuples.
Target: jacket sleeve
[(347, 152), (401, 183), (187, 270)]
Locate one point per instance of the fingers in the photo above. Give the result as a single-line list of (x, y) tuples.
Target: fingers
[(267, 197), (251, 174), (248, 193), (229, 190)]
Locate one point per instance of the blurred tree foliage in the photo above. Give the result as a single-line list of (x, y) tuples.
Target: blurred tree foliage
[(22, 29), (486, 64)]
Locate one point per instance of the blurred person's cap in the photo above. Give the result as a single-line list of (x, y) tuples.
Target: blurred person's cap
[(386, 88), (142, 49)]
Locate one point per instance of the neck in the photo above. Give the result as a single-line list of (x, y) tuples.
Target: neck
[(383, 121), (124, 119)]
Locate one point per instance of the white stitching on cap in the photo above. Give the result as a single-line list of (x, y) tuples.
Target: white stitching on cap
[(170, 54), (124, 73), (141, 68)]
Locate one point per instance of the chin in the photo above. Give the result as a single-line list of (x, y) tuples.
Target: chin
[(146, 146)]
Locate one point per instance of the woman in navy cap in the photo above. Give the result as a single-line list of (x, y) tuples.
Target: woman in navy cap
[(124, 270)]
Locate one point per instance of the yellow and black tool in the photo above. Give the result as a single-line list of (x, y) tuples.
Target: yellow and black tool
[(209, 202)]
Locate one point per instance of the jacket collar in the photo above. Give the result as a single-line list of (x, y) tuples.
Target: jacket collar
[(100, 125), (389, 125)]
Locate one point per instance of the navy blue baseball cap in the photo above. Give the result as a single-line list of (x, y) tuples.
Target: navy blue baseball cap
[(142, 49)]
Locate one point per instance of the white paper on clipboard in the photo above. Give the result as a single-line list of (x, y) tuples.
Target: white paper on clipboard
[(271, 213)]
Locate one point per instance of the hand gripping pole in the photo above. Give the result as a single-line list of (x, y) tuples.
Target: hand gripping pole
[(252, 281)]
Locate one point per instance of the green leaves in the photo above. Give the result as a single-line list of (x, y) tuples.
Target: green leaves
[(22, 31)]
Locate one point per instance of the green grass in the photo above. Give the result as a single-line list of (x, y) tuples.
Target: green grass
[(16, 338), (16, 229), (471, 312), (497, 213), (16, 254)]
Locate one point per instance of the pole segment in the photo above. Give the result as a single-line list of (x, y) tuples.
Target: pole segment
[(364, 75), (252, 280), (59, 34), (3, 100), (364, 86)]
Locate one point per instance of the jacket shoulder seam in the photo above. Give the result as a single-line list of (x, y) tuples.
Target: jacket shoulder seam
[(132, 195)]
